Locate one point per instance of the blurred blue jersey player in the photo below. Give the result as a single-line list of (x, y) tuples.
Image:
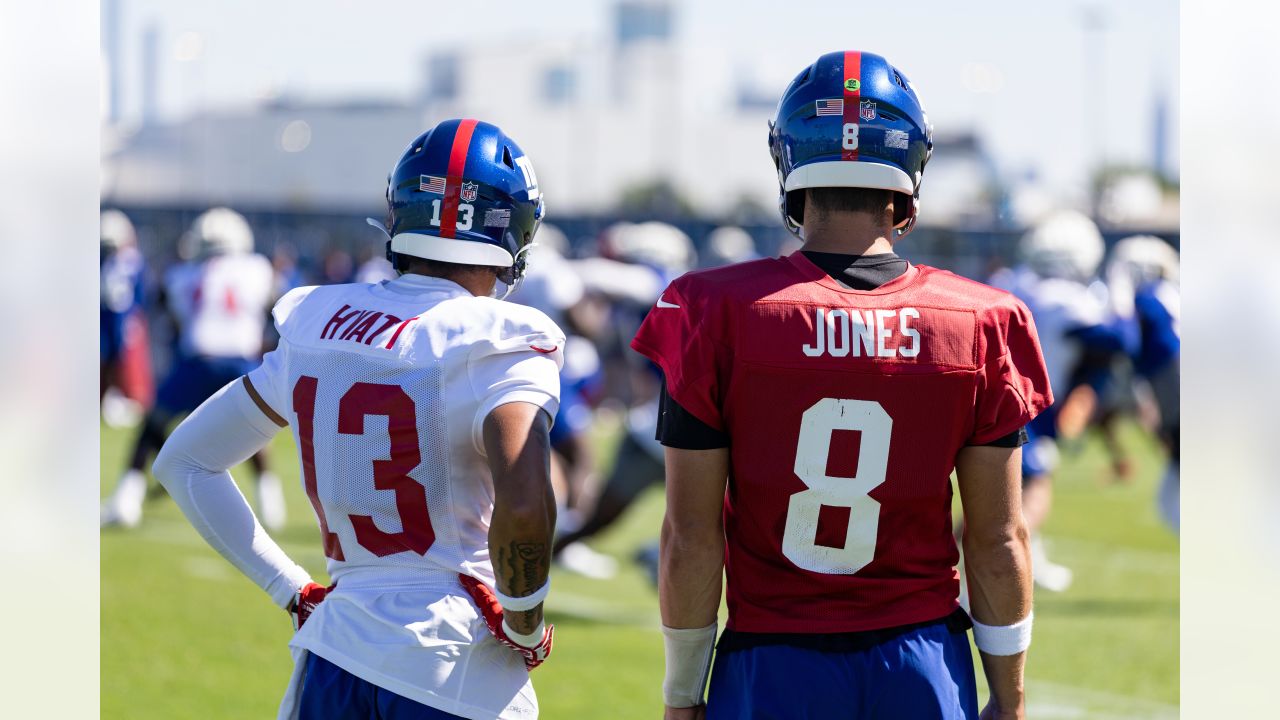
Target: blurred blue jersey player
[(121, 272), (1143, 276)]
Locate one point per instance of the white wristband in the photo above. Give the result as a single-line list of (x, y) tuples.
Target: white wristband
[(1003, 639), (688, 654), (524, 602), (530, 640)]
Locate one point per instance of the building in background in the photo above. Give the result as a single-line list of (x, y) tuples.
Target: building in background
[(615, 121), (599, 116)]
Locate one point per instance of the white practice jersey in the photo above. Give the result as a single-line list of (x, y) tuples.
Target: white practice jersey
[(386, 388), (221, 304), (1059, 308)]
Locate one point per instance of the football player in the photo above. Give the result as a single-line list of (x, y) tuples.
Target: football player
[(814, 408), (219, 301), (641, 259), (554, 286), (1143, 277), (1057, 279), (421, 408), (124, 368)]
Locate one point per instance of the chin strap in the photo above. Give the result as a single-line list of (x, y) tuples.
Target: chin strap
[(517, 275)]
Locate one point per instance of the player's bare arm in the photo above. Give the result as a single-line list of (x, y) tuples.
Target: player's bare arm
[(690, 572), (998, 566), (517, 440)]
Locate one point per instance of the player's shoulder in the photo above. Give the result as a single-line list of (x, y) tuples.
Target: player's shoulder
[(730, 282), (947, 289), (498, 322), (300, 302), (257, 261)]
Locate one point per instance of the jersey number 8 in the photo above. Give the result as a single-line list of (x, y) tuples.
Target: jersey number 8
[(799, 539)]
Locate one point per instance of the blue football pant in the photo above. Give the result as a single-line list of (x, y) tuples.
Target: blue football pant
[(926, 674), (331, 693)]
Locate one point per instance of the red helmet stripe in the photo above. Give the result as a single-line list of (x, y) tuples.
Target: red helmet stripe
[(852, 97), (453, 187)]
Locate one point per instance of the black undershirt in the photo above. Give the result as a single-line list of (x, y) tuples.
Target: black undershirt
[(678, 428)]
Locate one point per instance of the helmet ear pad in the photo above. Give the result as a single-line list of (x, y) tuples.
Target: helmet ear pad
[(904, 208), (793, 202)]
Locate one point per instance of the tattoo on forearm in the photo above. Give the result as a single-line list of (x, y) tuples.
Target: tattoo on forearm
[(524, 565)]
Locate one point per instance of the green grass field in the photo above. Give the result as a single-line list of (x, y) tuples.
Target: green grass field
[(185, 636)]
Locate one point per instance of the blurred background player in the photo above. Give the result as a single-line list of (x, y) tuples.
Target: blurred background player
[(126, 387), (1142, 274), (638, 259), (1079, 335), (728, 244), (554, 286), (421, 406), (813, 410), (219, 302)]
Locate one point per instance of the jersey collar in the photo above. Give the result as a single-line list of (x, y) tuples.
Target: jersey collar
[(813, 273), (413, 285)]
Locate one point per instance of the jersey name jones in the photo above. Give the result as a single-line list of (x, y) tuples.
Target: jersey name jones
[(843, 333)]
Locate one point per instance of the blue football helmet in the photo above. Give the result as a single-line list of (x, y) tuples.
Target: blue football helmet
[(850, 120), (463, 192)]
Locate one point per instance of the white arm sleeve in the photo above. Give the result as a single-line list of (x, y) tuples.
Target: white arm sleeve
[(222, 433)]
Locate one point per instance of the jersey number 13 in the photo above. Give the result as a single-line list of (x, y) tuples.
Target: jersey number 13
[(817, 425), (392, 474)]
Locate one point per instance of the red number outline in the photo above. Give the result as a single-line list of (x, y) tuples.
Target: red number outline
[(360, 401), (304, 406)]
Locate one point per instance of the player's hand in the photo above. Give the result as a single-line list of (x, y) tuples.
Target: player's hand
[(491, 610), (697, 712), (993, 712), (306, 602)]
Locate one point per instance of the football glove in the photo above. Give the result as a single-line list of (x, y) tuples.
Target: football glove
[(306, 601), (491, 610)]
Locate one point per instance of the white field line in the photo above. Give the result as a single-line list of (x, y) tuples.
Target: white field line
[(1098, 554), (207, 568), (1056, 701)]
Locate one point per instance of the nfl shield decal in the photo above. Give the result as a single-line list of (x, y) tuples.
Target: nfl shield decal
[(469, 191), (867, 110)]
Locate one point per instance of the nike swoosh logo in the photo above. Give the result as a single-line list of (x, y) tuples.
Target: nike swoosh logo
[(544, 351), (664, 304)]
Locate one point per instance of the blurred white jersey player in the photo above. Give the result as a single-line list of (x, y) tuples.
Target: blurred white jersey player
[(421, 408), (219, 302), (1057, 281)]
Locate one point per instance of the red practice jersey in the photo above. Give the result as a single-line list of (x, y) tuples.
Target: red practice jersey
[(845, 410)]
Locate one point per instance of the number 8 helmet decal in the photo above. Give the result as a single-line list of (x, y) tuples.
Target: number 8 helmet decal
[(464, 192), (850, 120)]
